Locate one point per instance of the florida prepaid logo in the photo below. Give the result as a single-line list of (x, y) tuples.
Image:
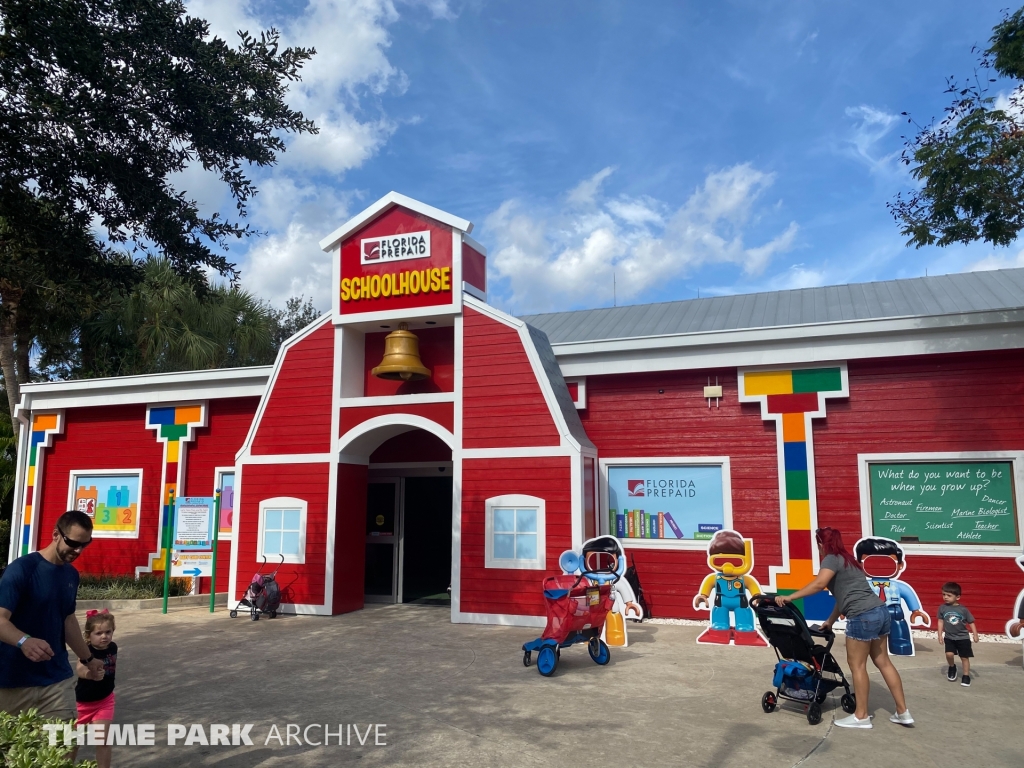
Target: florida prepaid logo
[(634, 487), (218, 735)]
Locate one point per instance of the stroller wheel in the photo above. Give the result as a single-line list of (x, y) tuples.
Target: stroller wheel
[(599, 651), (769, 702), (233, 614), (526, 659), (849, 703), (255, 617), (814, 713), (547, 660), (273, 614), (820, 698)]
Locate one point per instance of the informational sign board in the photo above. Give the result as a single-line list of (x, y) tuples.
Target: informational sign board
[(191, 563), (193, 522), (944, 502), (665, 501)]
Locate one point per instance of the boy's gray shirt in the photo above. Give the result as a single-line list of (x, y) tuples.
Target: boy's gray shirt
[(955, 619)]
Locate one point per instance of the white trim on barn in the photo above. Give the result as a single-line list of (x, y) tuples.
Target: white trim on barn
[(157, 389), (389, 201), (810, 344)]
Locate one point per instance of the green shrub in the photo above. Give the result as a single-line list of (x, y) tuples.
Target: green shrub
[(24, 743), (5, 540), (128, 587)]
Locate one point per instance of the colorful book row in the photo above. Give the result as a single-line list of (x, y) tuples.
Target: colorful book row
[(639, 524)]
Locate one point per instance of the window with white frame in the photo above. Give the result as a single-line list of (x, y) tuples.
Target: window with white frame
[(224, 481), (283, 529), (514, 532)]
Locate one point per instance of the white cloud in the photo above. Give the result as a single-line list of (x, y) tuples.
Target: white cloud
[(570, 256), (342, 144), (298, 201), (799, 276), (439, 9), (287, 261), (284, 264), (1012, 103), (225, 17), (585, 193), (992, 261), (806, 41), (871, 126)]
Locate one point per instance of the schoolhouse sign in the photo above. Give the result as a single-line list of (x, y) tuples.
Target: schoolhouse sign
[(399, 261)]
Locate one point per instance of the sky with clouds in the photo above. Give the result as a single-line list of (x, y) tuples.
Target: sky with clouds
[(609, 150)]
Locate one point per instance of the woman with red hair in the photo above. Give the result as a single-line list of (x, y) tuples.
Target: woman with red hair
[(867, 625)]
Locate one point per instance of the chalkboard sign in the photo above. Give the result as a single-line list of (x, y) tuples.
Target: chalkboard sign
[(944, 502)]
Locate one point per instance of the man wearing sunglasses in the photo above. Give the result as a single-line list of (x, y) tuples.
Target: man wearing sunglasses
[(37, 619)]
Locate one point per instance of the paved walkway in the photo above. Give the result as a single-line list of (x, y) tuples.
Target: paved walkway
[(458, 695)]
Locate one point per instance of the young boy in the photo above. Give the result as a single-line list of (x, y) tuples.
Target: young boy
[(954, 622)]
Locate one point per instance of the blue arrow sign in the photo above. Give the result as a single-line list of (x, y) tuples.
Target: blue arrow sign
[(192, 572)]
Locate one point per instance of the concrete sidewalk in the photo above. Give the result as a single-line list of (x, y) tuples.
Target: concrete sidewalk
[(458, 695)]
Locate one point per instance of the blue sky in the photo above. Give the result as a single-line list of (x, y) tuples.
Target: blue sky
[(665, 147)]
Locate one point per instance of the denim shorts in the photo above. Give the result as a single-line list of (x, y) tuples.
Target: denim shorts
[(869, 625)]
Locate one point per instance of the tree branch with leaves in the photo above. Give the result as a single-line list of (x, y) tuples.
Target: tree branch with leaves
[(970, 164), (102, 104)]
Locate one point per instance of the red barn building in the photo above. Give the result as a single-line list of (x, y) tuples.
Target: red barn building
[(890, 410)]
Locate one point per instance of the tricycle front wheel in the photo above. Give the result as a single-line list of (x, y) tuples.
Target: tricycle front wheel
[(547, 660)]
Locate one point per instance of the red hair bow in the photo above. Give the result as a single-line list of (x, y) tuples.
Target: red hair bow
[(92, 612)]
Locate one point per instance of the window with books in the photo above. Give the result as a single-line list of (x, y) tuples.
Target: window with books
[(667, 502)]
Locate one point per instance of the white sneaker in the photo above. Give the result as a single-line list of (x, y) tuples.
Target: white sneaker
[(902, 719), (851, 721)]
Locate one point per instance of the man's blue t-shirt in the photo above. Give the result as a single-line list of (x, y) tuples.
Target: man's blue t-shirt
[(40, 596)]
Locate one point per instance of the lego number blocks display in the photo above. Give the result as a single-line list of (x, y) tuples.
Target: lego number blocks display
[(731, 559)]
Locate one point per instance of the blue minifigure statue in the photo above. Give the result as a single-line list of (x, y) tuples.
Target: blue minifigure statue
[(882, 560)]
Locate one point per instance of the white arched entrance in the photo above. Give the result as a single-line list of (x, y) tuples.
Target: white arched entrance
[(410, 506)]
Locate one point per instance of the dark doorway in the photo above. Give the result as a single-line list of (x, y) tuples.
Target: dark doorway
[(427, 540), (381, 519)]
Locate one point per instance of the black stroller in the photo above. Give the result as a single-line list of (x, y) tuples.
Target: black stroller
[(263, 594), (806, 671)]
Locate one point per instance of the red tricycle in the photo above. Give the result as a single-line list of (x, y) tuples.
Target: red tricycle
[(576, 613)]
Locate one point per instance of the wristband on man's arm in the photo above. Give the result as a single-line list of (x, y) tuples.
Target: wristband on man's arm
[(23, 639)]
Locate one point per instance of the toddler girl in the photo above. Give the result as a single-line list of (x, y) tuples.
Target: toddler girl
[(95, 693)]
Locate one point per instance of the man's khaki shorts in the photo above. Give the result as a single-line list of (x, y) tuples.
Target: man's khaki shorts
[(52, 701)]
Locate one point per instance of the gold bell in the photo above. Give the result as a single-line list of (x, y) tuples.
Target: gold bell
[(401, 357)]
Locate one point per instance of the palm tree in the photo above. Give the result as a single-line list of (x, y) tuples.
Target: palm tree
[(164, 324)]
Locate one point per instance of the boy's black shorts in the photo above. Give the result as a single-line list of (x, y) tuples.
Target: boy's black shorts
[(961, 648)]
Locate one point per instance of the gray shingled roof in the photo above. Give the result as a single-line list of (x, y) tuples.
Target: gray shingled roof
[(562, 396), (915, 297)]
